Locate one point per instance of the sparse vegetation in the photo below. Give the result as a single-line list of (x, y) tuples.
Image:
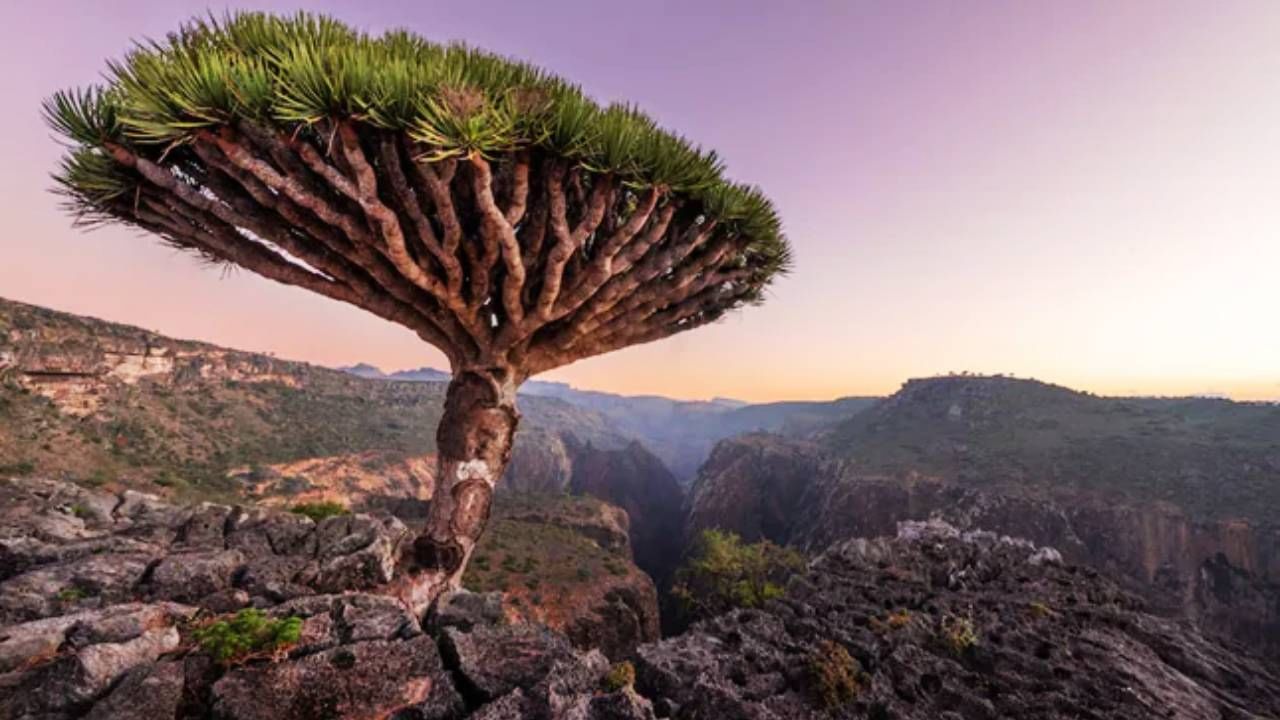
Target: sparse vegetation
[(958, 634), (621, 675), (72, 594), (1039, 610), (249, 633), (898, 620), (723, 573), (318, 511), (834, 676)]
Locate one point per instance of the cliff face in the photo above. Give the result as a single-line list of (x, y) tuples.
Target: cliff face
[(1223, 573), (637, 481)]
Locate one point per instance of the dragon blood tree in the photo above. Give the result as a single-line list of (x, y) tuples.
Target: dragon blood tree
[(484, 204)]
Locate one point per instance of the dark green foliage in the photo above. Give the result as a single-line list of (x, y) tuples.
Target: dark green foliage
[(72, 594), (302, 71), (723, 573), (834, 676), (318, 511), (621, 675), (248, 633)]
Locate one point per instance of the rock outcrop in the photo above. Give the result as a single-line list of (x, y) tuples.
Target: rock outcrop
[(944, 624), (938, 623), (1225, 574), (100, 595)]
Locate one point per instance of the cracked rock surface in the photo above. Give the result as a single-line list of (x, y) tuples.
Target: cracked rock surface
[(99, 594)]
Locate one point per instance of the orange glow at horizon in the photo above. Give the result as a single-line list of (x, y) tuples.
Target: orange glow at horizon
[(1084, 193)]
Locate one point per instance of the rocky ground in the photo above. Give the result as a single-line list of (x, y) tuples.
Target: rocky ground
[(101, 596), (940, 625), (1222, 573)]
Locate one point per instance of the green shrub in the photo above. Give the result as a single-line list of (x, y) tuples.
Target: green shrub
[(318, 511), (621, 675), (248, 633), (958, 634), (1039, 610), (833, 675), (584, 573), (899, 619), (23, 467), (724, 573), (71, 594)]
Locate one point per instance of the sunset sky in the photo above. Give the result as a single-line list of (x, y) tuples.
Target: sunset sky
[(1082, 192)]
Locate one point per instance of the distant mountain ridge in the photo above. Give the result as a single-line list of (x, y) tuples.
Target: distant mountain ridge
[(680, 432)]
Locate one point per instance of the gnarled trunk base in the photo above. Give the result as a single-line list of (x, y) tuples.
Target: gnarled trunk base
[(473, 444)]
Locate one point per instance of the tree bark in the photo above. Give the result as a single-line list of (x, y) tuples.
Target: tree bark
[(473, 445)]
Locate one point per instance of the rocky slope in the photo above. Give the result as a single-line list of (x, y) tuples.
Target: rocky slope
[(115, 405), (940, 624), (934, 624), (1064, 469), (562, 562)]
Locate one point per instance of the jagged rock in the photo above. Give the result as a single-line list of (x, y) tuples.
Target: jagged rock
[(357, 552), (86, 581), (494, 660), (373, 617), (72, 681), (960, 623), (146, 693), (361, 680), (464, 610), (623, 704), (205, 528), (512, 706), (190, 576)]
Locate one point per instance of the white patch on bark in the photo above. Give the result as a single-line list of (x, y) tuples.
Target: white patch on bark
[(474, 470)]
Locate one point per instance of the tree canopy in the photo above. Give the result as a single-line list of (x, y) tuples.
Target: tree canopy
[(315, 154)]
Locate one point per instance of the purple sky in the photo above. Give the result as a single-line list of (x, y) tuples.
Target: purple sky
[(1084, 192)]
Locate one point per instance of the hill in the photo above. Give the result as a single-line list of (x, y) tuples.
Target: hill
[(104, 403), (1214, 458)]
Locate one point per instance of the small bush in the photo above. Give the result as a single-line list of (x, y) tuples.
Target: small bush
[(584, 573), (247, 634), (899, 619), (24, 467), (71, 594), (833, 675), (318, 511), (1040, 611), (958, 634), (480, 562), (80, 511), (723, 573), (621, 675)]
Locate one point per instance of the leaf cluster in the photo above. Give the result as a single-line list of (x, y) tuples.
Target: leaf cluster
[(301, 72), (249, 632)]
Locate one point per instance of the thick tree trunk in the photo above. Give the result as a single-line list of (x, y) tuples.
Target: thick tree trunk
[(473, 444)]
